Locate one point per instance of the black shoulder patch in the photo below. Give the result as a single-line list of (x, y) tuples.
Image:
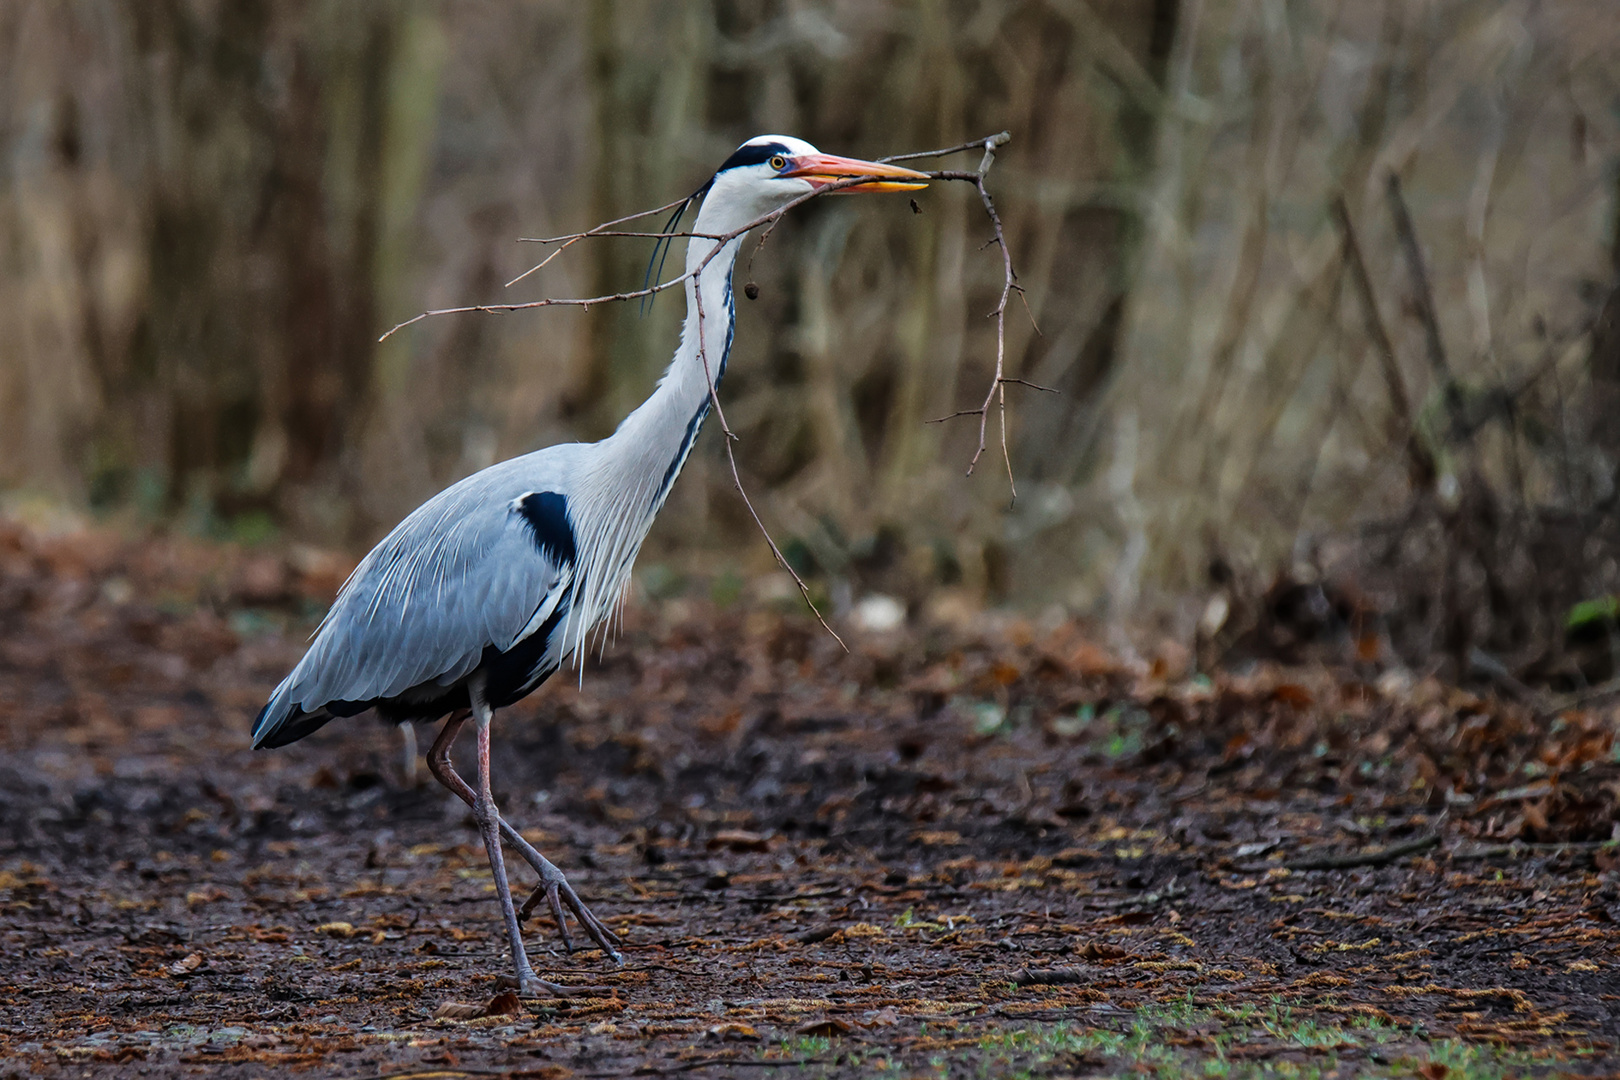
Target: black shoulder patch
[(547, 514), (753, 154)]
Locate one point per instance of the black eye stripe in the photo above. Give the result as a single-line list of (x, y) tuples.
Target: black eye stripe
[(754, 154)]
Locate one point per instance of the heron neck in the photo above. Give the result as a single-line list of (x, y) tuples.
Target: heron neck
[(637, 464), (655, 439)]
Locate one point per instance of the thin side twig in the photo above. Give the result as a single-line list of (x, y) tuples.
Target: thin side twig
[(736, 475), (1000, 138), (569, 240), (1382, 857)]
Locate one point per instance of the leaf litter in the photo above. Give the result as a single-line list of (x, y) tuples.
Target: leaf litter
[(947, 852)]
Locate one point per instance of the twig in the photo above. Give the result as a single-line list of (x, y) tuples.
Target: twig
[(1515, 849), (704, 1063), (1420, 461), (1000, 138), (736, 476), (568, 241), (1382, 857), (997, 394), (1423, 295), (1578, 698)]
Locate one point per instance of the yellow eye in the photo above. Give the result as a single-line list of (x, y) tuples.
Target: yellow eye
[(778, 162)]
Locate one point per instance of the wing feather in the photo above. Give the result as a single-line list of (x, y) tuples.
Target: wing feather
[(462, 573)]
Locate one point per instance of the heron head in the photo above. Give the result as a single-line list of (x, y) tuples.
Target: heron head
[(769, 170)]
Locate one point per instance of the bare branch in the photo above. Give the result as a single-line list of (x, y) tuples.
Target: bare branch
[(1420, 462), (592, 301), (997, 393)]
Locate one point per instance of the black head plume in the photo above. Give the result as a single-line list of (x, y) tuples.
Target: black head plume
[(660, 251)]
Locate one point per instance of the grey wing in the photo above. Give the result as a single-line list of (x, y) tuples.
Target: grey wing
[(463, 572)]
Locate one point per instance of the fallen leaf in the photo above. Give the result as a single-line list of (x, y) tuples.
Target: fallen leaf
[(1099, 950), (863, 929), (828, 1028), (504, 1004), (336, 929), (191, 963)]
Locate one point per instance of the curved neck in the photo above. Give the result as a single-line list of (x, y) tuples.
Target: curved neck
[(632, 470), (664, 425)]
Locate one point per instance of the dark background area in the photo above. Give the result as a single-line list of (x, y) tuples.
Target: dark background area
[(211, 211)]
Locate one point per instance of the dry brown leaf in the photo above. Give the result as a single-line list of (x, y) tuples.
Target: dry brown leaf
[(1100, 950), (186, 966), (505, 1003)]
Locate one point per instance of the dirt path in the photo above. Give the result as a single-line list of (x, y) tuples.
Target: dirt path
[(935, 856)]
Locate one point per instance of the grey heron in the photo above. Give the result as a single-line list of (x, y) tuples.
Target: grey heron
[(489, 587)]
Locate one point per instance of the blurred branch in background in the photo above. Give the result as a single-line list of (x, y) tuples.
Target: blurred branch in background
[(209, 213)]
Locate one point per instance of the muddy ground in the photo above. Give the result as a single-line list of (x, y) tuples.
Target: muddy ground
[(990, 850)]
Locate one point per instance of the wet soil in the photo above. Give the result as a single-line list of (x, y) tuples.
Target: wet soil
[(896, 858)]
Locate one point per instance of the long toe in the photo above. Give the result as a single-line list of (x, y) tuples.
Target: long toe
[(547, 889), (556, 892), (599, 933)]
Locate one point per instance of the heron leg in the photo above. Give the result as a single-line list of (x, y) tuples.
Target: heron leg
[(489, 823), (554, 887), (407, 731)]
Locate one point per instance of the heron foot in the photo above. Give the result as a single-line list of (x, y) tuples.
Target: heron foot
[(556, 891), (533, 986)]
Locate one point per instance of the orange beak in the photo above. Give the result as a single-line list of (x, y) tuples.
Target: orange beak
[(823, 169)]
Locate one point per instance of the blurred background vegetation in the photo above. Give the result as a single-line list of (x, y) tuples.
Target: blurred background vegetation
[(210, 210)]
